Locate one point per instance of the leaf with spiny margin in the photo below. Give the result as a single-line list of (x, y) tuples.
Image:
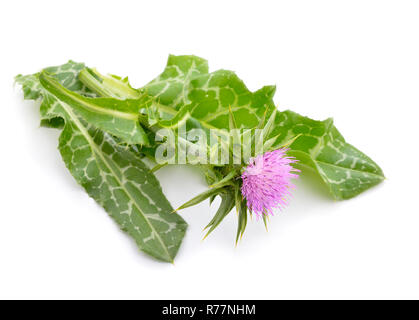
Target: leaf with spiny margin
[(113, 176), (67, 75), (170, 87), (117, 117), (212, 95), (346, 171), (186, 83)]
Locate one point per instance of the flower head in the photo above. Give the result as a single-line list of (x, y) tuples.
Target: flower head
[(267, 181)]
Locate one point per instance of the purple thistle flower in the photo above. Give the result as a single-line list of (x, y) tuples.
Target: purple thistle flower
[(267, 181)]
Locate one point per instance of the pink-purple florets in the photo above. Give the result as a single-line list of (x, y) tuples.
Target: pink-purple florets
[(267, 181)]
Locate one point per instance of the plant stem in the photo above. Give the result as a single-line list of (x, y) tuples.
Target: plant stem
[(107, 86), (112, 87)]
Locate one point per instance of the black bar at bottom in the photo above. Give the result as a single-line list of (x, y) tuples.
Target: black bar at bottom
[(209, 309)]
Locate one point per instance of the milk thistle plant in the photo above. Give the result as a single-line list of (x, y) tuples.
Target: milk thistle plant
[(114, 137)]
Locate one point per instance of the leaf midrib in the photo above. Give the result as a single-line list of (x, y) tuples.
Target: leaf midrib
[(114, 113), (86, 104)]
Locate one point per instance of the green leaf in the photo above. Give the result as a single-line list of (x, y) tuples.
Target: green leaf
[(115, 177), (200, 197), (117, 117), (227, 204), (346, 171), (66, 74), (212, 95), (186, 83), (171, 86)]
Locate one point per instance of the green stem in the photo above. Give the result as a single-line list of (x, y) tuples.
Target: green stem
[(158, 167), (110, 87), (107, 86), (113, 87)]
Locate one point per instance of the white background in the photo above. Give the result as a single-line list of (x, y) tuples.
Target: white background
[(357, 61)]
